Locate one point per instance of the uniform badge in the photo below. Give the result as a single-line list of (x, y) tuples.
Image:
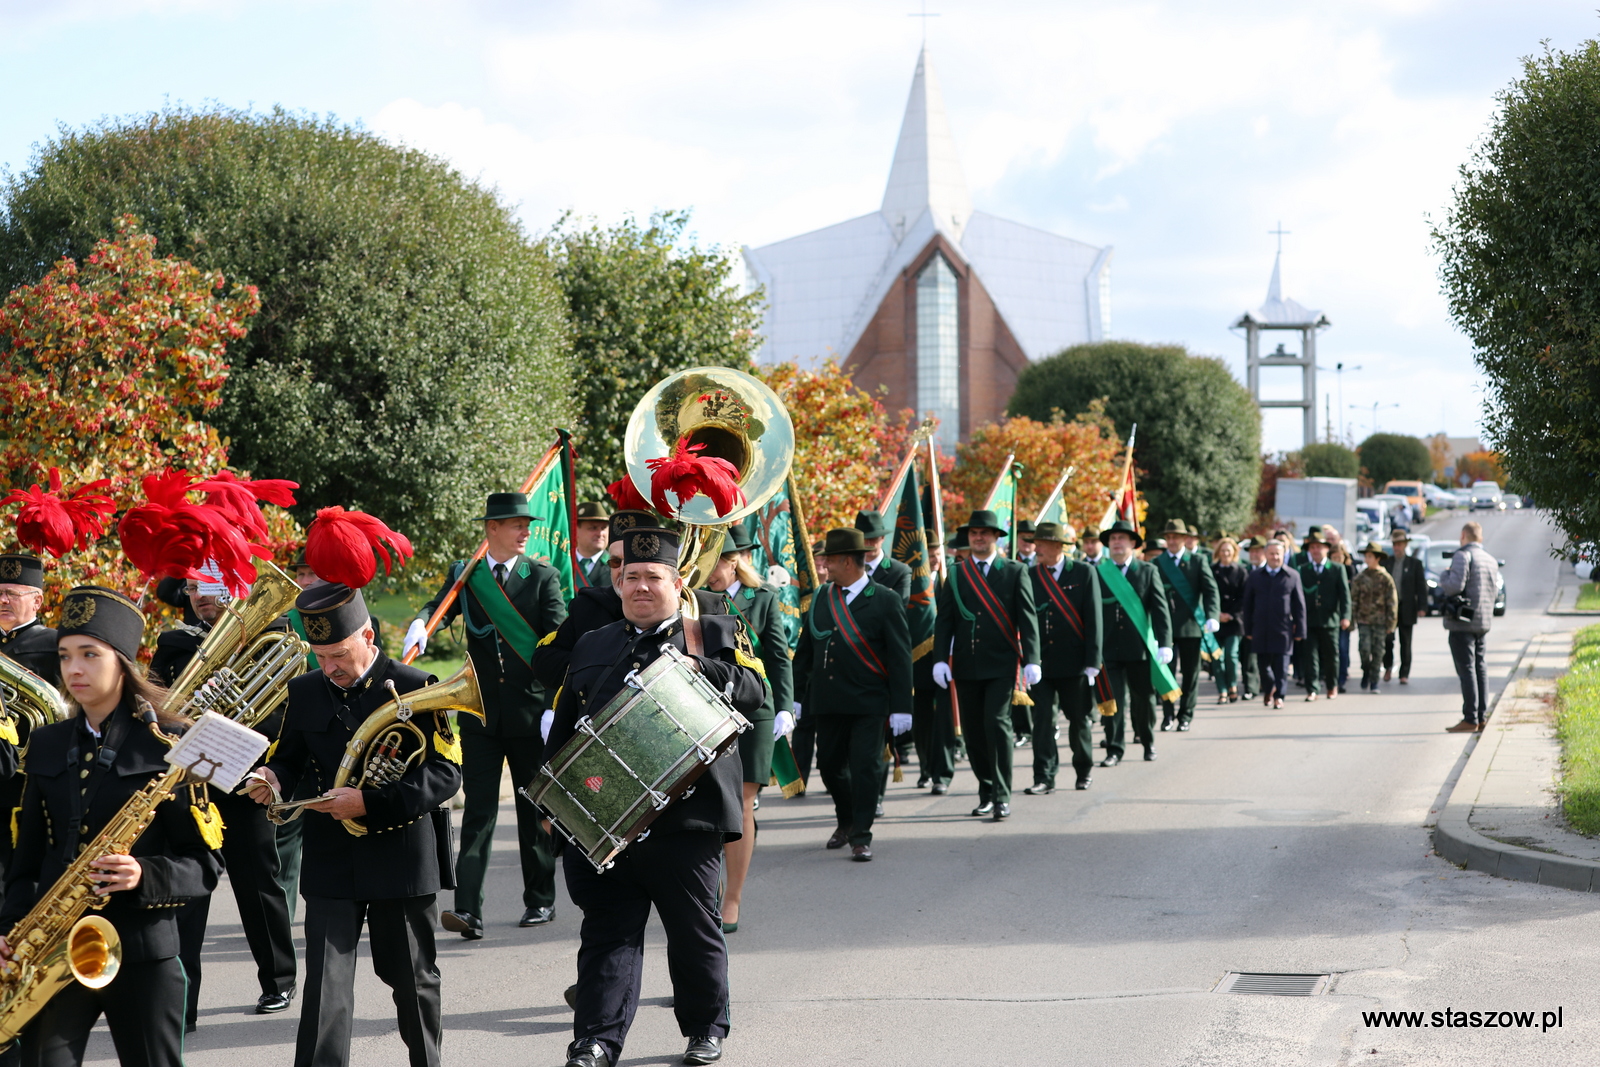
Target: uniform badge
[(76, 612), (10, 568), (594, 783), (318, 629)]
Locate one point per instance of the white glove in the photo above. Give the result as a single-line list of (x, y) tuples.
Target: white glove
[(1164, 655), (796, 711), (545, 722), (416, 636), (1091, 673), (941, 675), (899, 724), (782, 723), (1212, 626), (1031, 673)]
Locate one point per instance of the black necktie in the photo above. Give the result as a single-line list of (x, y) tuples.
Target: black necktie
[(500, 574)]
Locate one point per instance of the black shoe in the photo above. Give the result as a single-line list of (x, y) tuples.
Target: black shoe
[(587, 1054), (840, 838), (272, 1003), (468, 925), (940, 789), (986, 808), (703, 1050), (1166, 724), (1185, 726), (922, 783), (877, 813), (1149, 753), (1039, 789), (570, 995), (861, 853), (1083, 783), (190, 1028), (536, 916), (1111, 760), (1002, 811)]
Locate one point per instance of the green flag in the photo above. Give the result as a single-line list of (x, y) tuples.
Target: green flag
[(550, 534), (911, 548), (777, 544)]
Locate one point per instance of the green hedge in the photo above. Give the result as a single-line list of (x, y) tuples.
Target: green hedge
[(1578, 726)]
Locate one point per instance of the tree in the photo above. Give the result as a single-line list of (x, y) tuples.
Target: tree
[(1045, 449), (1388, 456), (1199, 437), (1439, 456), (644, 303), (107, 370), (1480, 467), (1520, 251), (1329, 460), (410, 353)]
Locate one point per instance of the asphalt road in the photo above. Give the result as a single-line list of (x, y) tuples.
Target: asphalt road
[(1091, 927)]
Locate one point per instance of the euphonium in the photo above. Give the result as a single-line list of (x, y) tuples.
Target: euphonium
[(241, 670), (388, 743), (34, 701)]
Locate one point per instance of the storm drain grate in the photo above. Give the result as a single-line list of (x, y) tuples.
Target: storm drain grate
[(1273, 985)]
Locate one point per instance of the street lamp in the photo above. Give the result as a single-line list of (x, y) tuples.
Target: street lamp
[(1375, 407)]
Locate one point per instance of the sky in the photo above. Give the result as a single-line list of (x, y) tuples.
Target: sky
[(1178, 133)]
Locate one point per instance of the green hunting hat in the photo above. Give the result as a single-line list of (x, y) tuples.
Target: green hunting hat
[(1026, 530), (984, 519), (1090, 533), (1159, 544), (593, 511), (739, 539), (1052, 531), (958, 539), (1123, 526), (870, 523), (506, 506), (847, 539), (1315, 537)]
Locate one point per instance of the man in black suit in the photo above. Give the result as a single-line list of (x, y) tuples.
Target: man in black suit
[(1130, 631), (386, 879), (22, 636), (509, 603), (1066, 596), (1411, 582), (1274, 619), (1192, 603), (881, 566)]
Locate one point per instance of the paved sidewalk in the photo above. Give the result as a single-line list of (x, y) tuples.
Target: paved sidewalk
[(1565, 599), (1503, 816)]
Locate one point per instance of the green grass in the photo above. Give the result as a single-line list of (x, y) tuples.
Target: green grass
[(1578, 727), (1588, 597), (447, 648)]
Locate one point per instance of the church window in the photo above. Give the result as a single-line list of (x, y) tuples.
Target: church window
[(939, 348)]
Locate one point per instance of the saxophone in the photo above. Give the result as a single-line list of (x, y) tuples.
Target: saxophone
[(57, 943), (34, 701)]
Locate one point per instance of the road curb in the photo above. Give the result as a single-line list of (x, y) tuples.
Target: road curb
[(1456, 840)]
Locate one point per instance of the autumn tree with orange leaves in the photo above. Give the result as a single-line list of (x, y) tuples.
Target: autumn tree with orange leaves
[(107, 369), (1045, 449)]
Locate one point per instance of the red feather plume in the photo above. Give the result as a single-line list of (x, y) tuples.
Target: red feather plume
[(240, 498), (345, 546), (169, 536), (50, 522), (686, 473), (626, 495)]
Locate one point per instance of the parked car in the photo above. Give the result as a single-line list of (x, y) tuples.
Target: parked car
[(1411, 490), (1401, 511), (1436, 560), (1372, 522), (1463, 497), (1439, 498), (1487, 495)]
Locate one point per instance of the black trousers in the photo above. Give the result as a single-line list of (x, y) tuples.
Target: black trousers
[(1136, 702), (678, 874), (1187, 652), (803, 743), (986, 727), (482, 757), (250, 853), (290, 838), (1404, 632), (1274, 673), (403, 956), (143, 1006), (1074, 696), (1319, 660), (933, 729), (1467, 650), (850, 760)]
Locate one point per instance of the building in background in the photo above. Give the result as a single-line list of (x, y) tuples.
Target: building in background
[(940, 304)]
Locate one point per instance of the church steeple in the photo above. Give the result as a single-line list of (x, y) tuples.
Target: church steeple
[(926, 171)]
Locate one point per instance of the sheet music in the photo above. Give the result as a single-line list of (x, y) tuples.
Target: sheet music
[(218, 750)]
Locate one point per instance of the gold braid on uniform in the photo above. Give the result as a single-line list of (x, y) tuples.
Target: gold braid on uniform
[(744, 652)]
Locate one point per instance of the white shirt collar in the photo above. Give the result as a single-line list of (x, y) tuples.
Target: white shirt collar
[(1060, 565), (874, 562), (20, 627), (733, 590), (493, 563), (660, 628), (991, 558), (855, 587)]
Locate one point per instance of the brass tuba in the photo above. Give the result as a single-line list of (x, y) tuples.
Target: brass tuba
[(737, 418), (241, 669), (34, 701), (388, 743)]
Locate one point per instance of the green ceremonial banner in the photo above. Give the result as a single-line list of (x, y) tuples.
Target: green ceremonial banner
[(1055, 509), (550, 534), (1003, 497), (911, 548), (778, 543)]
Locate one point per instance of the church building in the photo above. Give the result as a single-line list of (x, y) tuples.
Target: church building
[(940, 304)]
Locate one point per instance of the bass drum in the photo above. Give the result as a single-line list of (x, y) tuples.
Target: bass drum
[(643, 750)]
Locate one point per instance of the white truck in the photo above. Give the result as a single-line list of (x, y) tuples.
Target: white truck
[(1306, 502)]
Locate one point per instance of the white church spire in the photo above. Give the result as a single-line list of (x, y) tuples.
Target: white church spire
[(926, 171)]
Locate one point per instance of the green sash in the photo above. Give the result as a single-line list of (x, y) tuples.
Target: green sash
[(299, 626), (1161, 678), (508, 621), (1209, 649)]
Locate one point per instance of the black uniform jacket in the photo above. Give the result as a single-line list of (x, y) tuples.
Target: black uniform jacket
[(1063, 651), (590, 610), (982, 649), (832, 679), (894, 574), (599, 577), (1411, 582), (604, 657), (34, 646), (1230, 595), (513, 699), (1122, 642), (398, 857), (174, 649), (1202, 585), (1327, 595), (177, 866)]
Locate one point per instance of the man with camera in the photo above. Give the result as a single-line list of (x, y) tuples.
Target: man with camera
[(1468, 589)]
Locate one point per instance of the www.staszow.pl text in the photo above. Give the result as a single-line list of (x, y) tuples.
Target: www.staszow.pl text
[(1449, 1018)]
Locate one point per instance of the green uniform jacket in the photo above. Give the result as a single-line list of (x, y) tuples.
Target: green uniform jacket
[(762, 612), (982, 649), (1122, 642), (513, 699), (830, 679), (601, 578), (1203, 583), (1327, 595), (895, 575), (1063, 653)]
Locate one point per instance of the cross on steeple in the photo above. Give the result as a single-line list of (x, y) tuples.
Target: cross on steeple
[(1280, 231), (924, 15)]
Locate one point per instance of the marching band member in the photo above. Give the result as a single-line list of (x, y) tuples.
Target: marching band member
[(23, 637), (676, 867), (81, 772)]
